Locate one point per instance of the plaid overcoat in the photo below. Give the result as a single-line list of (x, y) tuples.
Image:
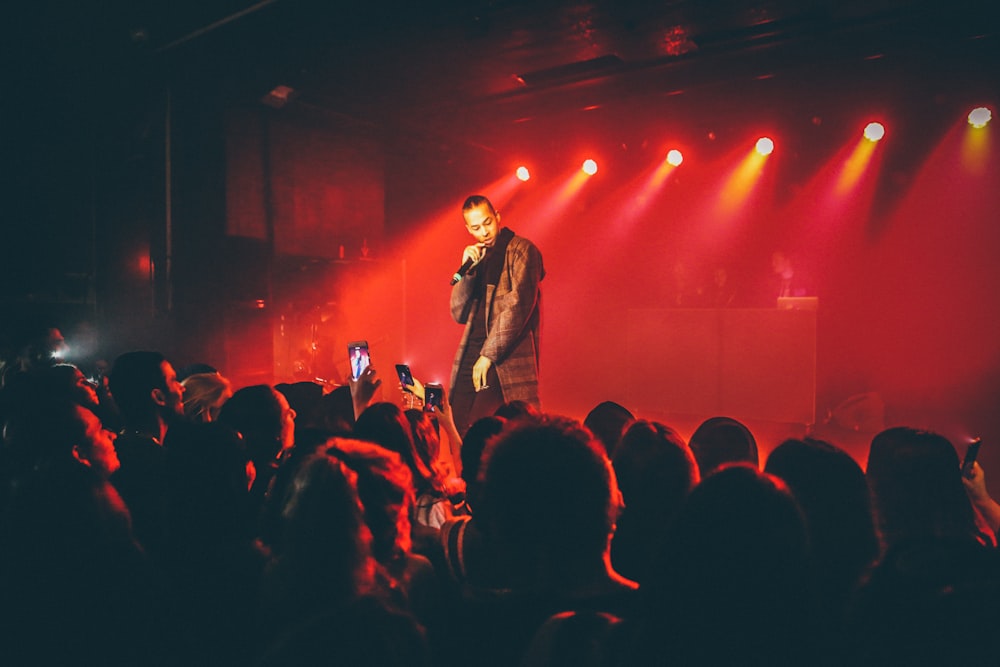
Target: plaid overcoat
[(513, 317)]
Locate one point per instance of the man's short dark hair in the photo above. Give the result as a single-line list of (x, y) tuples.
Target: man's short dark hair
[(558, 465), (133, 376), (478, 200)]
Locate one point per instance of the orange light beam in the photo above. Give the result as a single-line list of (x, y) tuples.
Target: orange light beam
[(855, 166), (740, 184)]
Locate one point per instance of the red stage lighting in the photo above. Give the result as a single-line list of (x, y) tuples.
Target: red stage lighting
[(589, 167), (523, 174), (674, 158), (874, 131), (979, 117), (765, 146)]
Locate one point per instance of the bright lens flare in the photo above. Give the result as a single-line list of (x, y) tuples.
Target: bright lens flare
[(674, 158), (523, 174), (979, 117), (765, 146), (589, 167), (874, 131)]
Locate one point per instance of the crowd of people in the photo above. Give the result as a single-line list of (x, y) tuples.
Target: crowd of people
[(158, 517)]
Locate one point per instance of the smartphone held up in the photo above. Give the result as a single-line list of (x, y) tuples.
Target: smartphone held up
[(359, 357), (433, 396), (971, 453), (405, 376)]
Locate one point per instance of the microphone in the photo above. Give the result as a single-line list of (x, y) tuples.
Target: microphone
[(462, 270)]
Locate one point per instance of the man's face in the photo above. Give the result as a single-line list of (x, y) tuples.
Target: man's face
[(483, 224), (287, 422), (84, 391), (99, 446), (173, 390)]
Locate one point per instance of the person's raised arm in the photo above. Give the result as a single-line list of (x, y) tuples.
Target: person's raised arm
[(448, 422), (454, 437), (975, 487), (363, 390)]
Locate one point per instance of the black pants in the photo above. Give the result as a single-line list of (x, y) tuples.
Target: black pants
[(468, 405)]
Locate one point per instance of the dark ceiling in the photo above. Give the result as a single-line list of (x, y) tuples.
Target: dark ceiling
[(444, 68)]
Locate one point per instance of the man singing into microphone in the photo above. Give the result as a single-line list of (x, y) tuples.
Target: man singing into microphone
[(499, 302)]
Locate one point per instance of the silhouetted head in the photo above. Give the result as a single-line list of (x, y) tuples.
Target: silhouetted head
[(306, 398), (385, 489), (833, 493), (655, 471), (549, 495), (731, 580), (426, 450), (327, 544), (517, 409), (56, 429), (264, 418), (473, 445), (608, 421), (338, 411), (916, 485), (144, 385), (655, 468), (385, 424), (720, 440), (67, 381)]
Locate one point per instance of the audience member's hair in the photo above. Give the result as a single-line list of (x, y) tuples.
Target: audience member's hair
[(517, 410), (54, 430), (833, 493), (325, 557), (427, 450), (385, 489), (195, 369), (917, 490), (204, 394), (731, 582), (578, 638), (720, 440), (656, 470), (939, 574), (473, 444), (133, 377), (257, 414), (338, 411), (607, 421), (555, 464), (306, 398), (386, 424), (68, 382)]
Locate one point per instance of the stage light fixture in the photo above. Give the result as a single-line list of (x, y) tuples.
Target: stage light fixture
[(979, 117), (874, 131), (523, 174), (589, 167), (674, 157), (765, 146)]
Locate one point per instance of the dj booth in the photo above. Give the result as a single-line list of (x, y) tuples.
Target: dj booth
[(746, 363)]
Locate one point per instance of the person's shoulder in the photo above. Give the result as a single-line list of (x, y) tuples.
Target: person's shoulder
[(522, 246), (522, 241)]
